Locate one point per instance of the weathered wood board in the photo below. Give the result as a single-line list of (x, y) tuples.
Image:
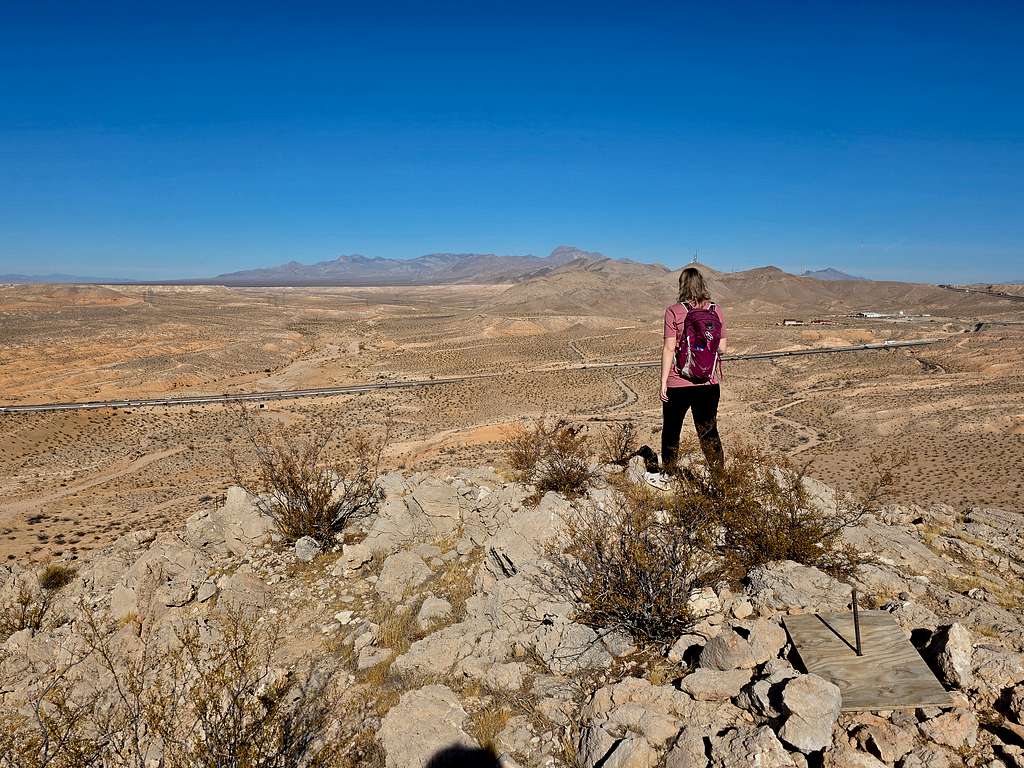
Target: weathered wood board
[(890, 675)]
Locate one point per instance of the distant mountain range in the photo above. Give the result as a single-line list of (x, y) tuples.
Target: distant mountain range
[(829, 273), (431, 269)]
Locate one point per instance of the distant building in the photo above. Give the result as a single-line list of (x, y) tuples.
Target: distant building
[(792, 321), (873, 315)]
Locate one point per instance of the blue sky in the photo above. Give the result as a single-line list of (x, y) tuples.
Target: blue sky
[(190, 139)]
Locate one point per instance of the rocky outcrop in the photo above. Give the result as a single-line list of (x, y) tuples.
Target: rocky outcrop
[(443, 608), (786, 587), (422, 725)]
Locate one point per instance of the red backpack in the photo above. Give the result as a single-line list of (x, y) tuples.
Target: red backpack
[(697, 349)]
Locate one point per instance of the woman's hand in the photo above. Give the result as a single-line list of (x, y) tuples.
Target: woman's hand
[(664, 391)]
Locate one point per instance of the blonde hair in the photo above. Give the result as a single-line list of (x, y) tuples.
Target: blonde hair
[(692, 287)]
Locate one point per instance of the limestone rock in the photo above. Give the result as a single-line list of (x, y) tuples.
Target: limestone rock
[(237, 527), (307, 549), (783, 586), (763, 697), (371, 656), (1015, 704), (520, 541), (437, 502), (433, 611), (657, 712), (766, 638), (568, 648), (715, 685), (845, 757), (952, 729), (167, 575), (884, 740), (688, 750), (952, 648), (506, 677), (631, 751), (353, 557), (746, 746), (726, 651), (742, 609), (401, 573), (444, 651), (243, 590), (813, 704), (423, 723), (681, 647), (994, 669), (704, 602), (911, 615), (929, 756)]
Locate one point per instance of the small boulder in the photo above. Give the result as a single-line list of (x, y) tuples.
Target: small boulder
[(307, 549), (929, 756), (726, 651), (433, 611), (371, 656), (683, 645), (766, 639), (742, 609), (952, 649), (749, 746), (715, 685), (353, 557), (884, 740), (569, 648), (813, 704), (704, 602), (506, 677), (993, 668), (952, 729)]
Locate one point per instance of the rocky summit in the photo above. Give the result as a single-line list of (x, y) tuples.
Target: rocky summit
[(435, 620)]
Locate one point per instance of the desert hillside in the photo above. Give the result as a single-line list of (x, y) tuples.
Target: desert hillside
[(629, 289), (73, 481), (430, 635)]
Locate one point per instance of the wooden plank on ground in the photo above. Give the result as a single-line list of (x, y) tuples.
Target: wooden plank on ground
[(890, 675)]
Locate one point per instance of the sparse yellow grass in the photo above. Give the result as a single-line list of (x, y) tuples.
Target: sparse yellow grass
[(398, 629), (487, 723)]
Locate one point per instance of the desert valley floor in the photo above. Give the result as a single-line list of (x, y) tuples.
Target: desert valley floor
[(73, 481)]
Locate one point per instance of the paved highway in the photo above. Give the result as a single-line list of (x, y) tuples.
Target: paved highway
[(290, 394)]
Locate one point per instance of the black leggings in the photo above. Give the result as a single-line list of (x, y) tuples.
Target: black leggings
[(703, 399)]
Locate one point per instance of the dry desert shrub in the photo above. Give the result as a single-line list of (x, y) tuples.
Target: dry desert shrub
[(766, 512), (213, 699), (56, 576), (31, 605), (304, 491), (619, 443), (634, 566), (552, 456)]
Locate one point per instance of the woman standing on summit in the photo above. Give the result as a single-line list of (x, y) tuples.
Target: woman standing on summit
[(690, 369)]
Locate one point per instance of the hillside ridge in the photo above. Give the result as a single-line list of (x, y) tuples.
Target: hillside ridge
[(435, 611)]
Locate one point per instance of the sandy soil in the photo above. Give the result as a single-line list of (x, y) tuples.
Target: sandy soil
[(71, 481)]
